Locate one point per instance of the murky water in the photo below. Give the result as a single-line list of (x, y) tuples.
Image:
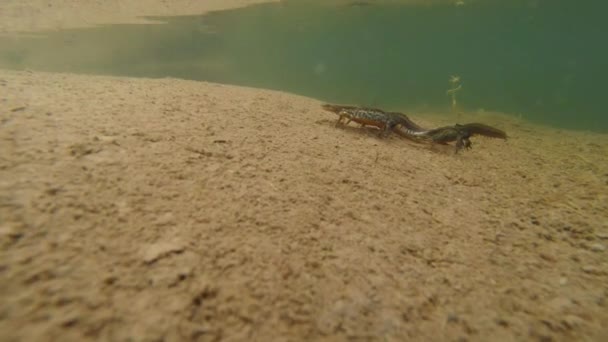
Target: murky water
[(546, 60)]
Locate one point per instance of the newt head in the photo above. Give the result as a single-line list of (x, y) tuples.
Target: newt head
[(334, 108)]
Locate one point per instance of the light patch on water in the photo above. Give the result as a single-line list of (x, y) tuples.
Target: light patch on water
[(319, 68)]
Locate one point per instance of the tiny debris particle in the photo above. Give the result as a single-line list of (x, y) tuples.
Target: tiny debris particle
[(70, 321), (452, 318), (52, 191), (502, 322), (598, 247), (80, 150), (572, 321), (18, 109), (547, 257), (110, 280)]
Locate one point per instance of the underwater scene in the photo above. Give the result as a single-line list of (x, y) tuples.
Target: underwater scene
[(312, 170), (542, 60)]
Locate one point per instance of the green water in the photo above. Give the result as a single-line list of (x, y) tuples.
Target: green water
[(546, 60)]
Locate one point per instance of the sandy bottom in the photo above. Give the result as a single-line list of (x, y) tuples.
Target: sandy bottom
[(149, 210)]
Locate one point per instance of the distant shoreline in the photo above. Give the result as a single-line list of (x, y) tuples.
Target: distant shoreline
[(27, 16), (39, 15)]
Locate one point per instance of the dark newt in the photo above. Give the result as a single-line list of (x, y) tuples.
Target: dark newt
[(458, 133)]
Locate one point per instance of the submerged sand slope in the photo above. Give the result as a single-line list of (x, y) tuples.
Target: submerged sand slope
[(148, 209)]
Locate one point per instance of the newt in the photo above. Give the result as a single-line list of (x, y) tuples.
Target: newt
[(458, 133), (385, 121)]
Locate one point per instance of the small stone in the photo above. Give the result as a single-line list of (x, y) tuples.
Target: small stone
[(560, 304), (110, 280), (106, 139), (547, 257), (81, 150), (502, 322), (598, 247), (156, 251), (572, 321), (70, 320), (52, 191), (18, 109), (563, 281), (452, 318), (575, 258), (165, 219), (10, 231), (602, 235), (592, 270)]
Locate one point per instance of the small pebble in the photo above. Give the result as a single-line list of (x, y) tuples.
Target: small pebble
[(598, 247), (165, 219), (10, 231), (502, 322), (572, 321), (452, 318), (563, 281), (592, 270), (153, 252), (602, 235), (560, 304), (18, 109)]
